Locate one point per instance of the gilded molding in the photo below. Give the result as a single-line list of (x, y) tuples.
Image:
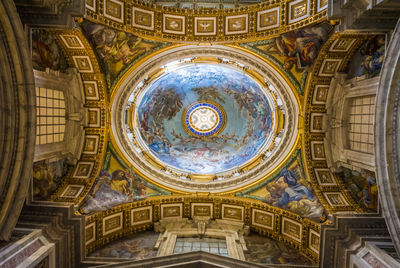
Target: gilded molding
[(249, 177), (245, 23), (80, 55), (329, 188), (299, 239)]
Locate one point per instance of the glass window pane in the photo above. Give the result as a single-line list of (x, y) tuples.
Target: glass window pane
[(222, 245), (50, 139), (42, 102), (223, 250), (56, 94), (49, 93), (189, 244), (50, 103)]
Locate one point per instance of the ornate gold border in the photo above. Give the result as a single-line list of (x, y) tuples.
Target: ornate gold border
[(250, 165), (99, 104), (217, 203), (315, 79), (252, 33)]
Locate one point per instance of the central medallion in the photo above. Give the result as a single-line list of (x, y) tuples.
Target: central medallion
[(204, 119)]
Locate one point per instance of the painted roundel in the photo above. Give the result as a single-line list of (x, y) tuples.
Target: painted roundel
[(203, 119)]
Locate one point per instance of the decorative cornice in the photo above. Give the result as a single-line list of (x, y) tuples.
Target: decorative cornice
[(334, 196), (246, 23), (295, 231), (348, 234)]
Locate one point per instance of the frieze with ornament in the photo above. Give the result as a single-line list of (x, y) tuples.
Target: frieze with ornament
[(250, 22)]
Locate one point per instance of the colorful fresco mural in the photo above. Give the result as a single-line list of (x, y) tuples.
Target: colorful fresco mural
[(47, 177), (162, 120), (362, 186), (288, 189), (46, 53), (368, 59), (137, 247), (117, 184), (264, 250), (293, 52), (117, 50)]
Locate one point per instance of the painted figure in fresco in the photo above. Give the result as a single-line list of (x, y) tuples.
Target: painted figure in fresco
[(165, 104), (160, 115), (159, 145), (369, 58), (374, 52), (47, 176), (102, 183), (301, 46), (136, 186), (362, 186), (289, 192), (43, 180), (116, 48), (45, 52), (265, 250), (120, 183), (140, 246), (209, 93), (109, 190)]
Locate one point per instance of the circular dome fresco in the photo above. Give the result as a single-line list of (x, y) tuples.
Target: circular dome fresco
[(204, 118), (200, 119)]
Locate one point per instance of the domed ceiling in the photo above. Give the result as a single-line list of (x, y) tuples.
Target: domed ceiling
[(226, 114), (204, 121), (204, 118)]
